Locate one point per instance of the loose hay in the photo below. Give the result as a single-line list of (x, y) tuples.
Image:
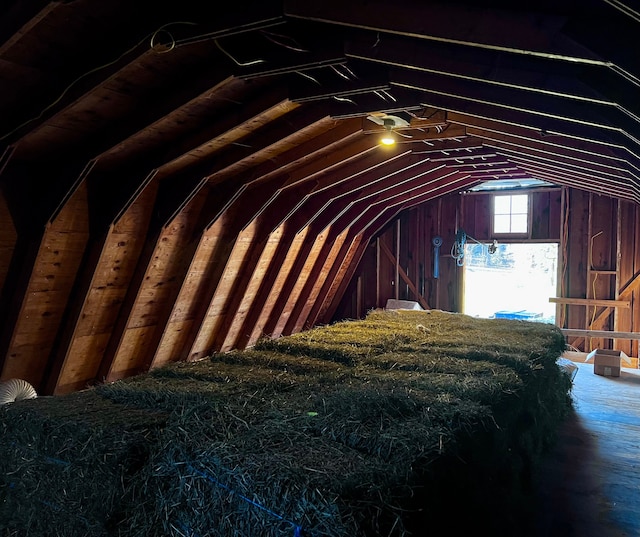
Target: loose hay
[(366, 427), (67, 461)]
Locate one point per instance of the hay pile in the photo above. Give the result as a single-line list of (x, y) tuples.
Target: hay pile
[(66, 462), (369, 427)]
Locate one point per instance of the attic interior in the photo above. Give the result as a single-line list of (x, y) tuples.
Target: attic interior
[(174, 183)]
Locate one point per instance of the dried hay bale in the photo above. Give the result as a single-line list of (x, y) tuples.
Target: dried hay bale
[(366, 427), (66, 462)]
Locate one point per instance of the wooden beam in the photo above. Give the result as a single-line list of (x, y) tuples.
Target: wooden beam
[(44, 297), (289, 282), (232, 284), (150, 296), (532, 119), (20, 18), (451, 131), (278, 147), (606, 334), (580, 150), (268, 236), (404, 276), (432, 183), (239, 216), (322, 272), (474, 26), (317, 247), (627, 290), (96, 299), (591, 302), (259, 289), (533, 74), (596, 114), (332, 282), (567, 160)]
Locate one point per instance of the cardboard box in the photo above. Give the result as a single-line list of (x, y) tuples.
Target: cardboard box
[(605, 362)]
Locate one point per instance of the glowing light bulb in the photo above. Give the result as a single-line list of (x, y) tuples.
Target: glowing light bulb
[(388, 139)]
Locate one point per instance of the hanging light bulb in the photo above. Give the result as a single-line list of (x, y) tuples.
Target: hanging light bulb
[(388, 138)]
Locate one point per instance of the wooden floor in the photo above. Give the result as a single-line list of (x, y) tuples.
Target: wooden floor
[(589, 486)]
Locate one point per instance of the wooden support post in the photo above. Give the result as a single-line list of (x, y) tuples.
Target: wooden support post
[(397, 261), (378, 305), (587, 323), (618, 261), (405, 278)]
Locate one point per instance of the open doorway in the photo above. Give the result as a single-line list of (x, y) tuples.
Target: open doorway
[(514, 282)]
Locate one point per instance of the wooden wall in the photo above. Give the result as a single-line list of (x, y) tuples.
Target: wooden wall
[(84, 303), (598, 236), (399, 262), (98, 287), (602, 255)]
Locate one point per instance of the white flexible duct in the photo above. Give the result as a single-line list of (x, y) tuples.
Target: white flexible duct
[(16, 390)]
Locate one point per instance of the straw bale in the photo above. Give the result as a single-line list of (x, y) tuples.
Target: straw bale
[(370, 427), (66, 462)]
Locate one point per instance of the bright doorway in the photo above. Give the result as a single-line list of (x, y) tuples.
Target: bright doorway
[(515, 281)]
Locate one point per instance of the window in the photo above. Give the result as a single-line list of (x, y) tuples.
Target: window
[(511, 214)]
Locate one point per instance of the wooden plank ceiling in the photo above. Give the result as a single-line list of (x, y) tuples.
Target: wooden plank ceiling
[(175, 181)]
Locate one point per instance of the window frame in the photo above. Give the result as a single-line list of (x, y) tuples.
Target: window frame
[(513, 234)]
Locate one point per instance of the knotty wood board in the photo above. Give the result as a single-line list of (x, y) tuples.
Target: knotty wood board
[(627, 249), (252, 289), (156, 293), (301, 280), (191, 295), (101, 304), (47, 292), (278, 284), (216, 310), (134, 344), (344, 273), (315, 282)]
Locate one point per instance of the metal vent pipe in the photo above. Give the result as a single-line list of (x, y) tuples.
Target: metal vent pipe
[(15, 390)]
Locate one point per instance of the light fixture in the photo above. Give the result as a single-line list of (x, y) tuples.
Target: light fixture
[(388, 138), (388, 122)]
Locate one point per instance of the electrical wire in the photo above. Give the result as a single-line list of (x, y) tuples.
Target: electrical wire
[(593, 316), (565, 253), (239, 64), (305, 75), (346, 68), (339, 73), (152, 36), (385, 92), (379, 94), (271, 36), (344, 100)]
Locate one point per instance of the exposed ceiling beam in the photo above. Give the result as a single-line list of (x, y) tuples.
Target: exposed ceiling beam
[(515, 32), (542, 109), (581, 149), (532, 74)]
